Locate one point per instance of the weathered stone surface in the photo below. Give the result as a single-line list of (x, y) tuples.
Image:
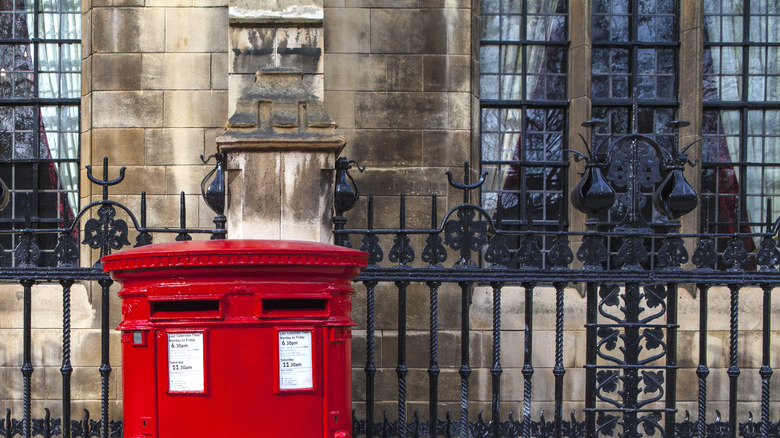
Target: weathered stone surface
[(346, 30), (174, 146), (341, 106), (355, 72), (182, 36), (128, 30), (116, 71), (125, 146), (252, 49), (408, 31), (219, 71), (127, 109), (381, 3), (446, 73), (300, 47), (176, 71), (404, 73), (446, 148), (401, 110), (459, 105), (184, 178), (378, 148), (206, 109)]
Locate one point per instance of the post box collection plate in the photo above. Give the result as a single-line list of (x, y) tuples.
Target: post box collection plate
[(251, 330)]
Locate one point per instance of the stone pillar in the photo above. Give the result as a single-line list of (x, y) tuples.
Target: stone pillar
[(281, 148)]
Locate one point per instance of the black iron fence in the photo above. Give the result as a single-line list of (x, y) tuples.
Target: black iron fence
[(632, 271), (108, 231)]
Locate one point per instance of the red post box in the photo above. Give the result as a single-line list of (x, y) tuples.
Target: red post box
[(238, 338)]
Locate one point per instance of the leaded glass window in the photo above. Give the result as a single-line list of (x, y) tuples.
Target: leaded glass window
[(40, 88), (741, 117), (523, 92)]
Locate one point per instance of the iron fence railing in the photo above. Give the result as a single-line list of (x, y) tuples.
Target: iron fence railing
[(105, 233), (631, 293)]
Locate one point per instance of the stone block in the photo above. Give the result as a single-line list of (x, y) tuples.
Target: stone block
[(445, 148), (333, 4), (301, 48), (123, 146), (402, 110), (381, 148), (404, 73), (86, 36), (164, 211), (138, 179), (127, 109), (459, 105), (219, 71), (458, 29), (252, 49), (182, 36), (355, 72), (341, 106), (413, 182), (381, 4), (446, 73), (174, 146), (134, 30), (115, 3), (86, 112), (184, 179), (176, 71), (210, 3), (47, 307), (238, 86), (460, 4), (346, 31), (513, 303), (243, 218), (168, 3), (12, 384), (185, 109), (86, 82), (408, 30), (306, 196)]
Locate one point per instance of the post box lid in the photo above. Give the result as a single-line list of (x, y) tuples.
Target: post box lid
[(195, 253)]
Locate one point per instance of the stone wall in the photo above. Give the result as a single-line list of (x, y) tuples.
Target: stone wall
[(154, 85)]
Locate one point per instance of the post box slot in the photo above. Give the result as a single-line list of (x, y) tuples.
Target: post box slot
[(295, 306), (185, 309)]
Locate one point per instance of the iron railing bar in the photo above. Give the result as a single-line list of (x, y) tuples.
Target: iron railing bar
[(528, 369), (591, 318), (27, 367), (465, 368), (702, 371), (733, 370), (495, 369), (558, 369), (370, 368), (401, 369), (766, 370), (66, 369), (433, 368)]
